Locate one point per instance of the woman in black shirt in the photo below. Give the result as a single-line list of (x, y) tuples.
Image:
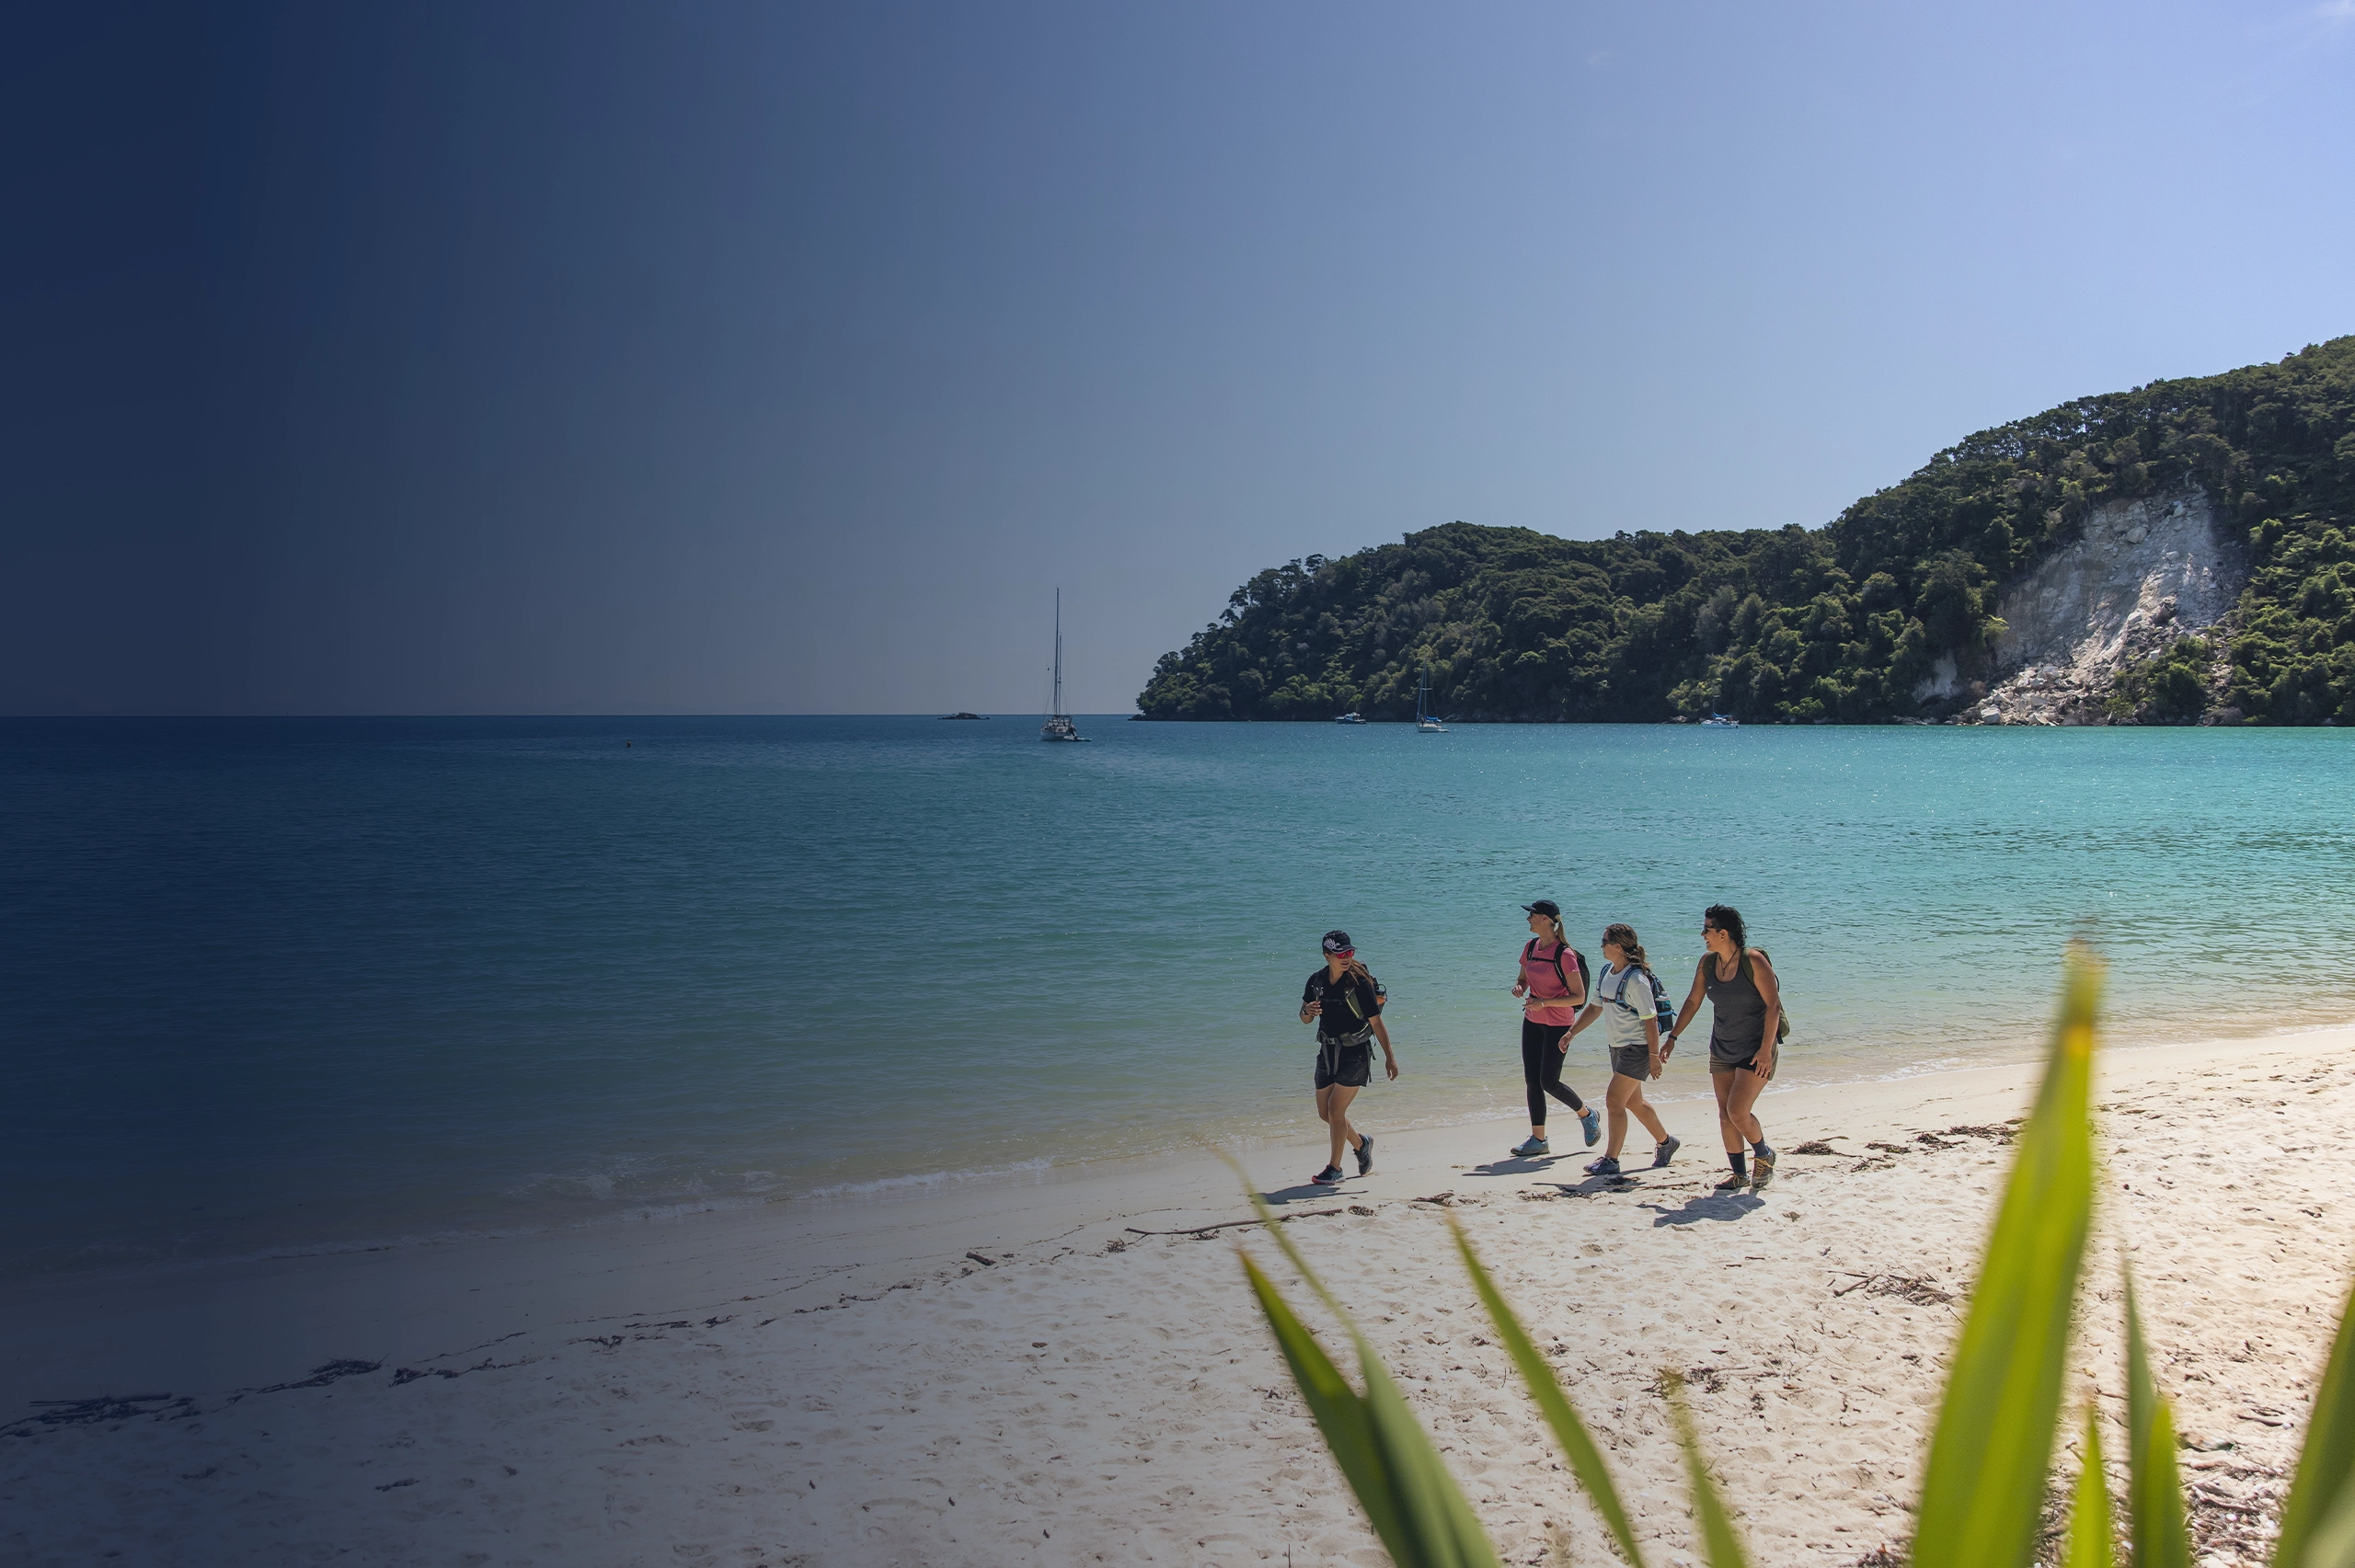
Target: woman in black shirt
[(1746, 1014), (1345, 1003)]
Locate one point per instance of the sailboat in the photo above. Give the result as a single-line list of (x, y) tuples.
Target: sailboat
[(1058, 725), (1425, 721)]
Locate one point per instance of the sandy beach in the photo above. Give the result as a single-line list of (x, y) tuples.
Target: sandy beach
[(1068, 1372)]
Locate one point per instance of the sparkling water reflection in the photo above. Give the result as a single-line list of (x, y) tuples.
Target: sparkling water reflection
[(292, 983)]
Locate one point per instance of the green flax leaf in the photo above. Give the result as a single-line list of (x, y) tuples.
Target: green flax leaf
[(1337, 1410), (1554, 1403), (1993, 1447), (2325, 1487), (2155, 1520), (1720, 1547), (1411, 1499), (2091, 1543), (2334, 1542), (1431, 1505)]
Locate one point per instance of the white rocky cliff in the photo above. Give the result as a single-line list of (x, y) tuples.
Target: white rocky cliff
[(2145, 573)]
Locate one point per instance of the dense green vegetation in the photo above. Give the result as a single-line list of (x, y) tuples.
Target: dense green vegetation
[(1842, 622)]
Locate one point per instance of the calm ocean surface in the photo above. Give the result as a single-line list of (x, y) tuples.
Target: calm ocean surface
[(278, 984)]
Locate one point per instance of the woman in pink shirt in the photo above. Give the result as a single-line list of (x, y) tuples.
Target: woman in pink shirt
[(1552, 986)]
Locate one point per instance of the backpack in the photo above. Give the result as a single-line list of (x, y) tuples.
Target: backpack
[(1663, 1010), (1361, 1021), (1586, 976)]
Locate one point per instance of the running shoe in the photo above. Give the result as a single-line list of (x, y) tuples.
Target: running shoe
[(1666, 1151), (1330, 1176), (1762, 1167), (1730, 1182), (1533, 1145), (1606, 1166), (1365, 1154), (1591, 1120)]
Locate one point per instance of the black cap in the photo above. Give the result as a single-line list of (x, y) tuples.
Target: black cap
[(1546, 907), (1339, 942)]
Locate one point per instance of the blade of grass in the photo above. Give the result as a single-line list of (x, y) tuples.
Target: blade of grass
[(1432, 1504), (2154, 1516), (1554, 1403), (1992, 1449), (1408, 1481), (2324, 1486), (2334, 1541), (2091, 1544), (1337, 1410), (1720, 1547)]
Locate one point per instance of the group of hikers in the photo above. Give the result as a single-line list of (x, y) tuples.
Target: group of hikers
[(1558, 1001)]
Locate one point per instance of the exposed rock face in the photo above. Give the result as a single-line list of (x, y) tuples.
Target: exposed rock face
[(2141, 562), (1943, 681), (2145, 573)]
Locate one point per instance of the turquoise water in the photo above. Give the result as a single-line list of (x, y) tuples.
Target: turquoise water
[(277, 985)]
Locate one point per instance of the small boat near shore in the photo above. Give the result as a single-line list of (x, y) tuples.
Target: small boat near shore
[(1351, 719), (1720, 721), (1425, 721)]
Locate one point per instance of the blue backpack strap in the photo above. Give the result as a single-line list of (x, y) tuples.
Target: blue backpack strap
[(1663, 1010)]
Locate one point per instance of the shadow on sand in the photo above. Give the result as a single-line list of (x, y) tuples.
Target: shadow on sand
[(1708, 1206), (1306, 1192), (1517, 1165)]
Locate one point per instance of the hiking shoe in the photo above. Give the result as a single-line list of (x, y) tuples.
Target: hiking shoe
[(1590, 1120), (1730, 1182), (1533, 1145), (1330, 1176), (1666, 1151), (1606, 1166), (1762, 1167), (1365, 1154)]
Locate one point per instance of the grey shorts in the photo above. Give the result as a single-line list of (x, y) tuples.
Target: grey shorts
[(1631, 1061)]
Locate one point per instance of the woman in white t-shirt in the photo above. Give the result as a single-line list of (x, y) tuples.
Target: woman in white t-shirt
[(1624, 998)]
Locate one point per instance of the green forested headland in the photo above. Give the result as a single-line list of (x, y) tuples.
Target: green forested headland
[(1839, 622)]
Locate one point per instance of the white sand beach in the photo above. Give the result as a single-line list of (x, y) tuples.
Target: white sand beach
[(1063, 1373)]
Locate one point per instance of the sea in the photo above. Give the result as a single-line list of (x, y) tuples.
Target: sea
[(280, 986)]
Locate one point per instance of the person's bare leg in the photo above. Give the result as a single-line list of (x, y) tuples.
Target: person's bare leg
[(1641, 1110), (1616, 1098), (1722, 1084), (1742, 1096), (1337, 1122)]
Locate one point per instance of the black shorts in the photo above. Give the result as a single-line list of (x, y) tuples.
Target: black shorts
[(1350, 1066), (1719, 1062)]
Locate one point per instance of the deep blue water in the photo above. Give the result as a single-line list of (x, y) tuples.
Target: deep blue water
[(274, 984)]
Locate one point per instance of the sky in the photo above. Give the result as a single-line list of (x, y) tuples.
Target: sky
[(494, 358)]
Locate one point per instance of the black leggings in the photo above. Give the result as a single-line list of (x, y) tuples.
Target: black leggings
[(1541, 1068)]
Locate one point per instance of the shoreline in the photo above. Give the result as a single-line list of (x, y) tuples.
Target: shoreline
[(926, 1186), (364, 1290), (1066, 1362)]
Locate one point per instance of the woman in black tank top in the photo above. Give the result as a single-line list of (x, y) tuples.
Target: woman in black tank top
[(1746, 1007)]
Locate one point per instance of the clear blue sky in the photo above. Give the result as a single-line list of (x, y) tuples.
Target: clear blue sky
[(581, 358)]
